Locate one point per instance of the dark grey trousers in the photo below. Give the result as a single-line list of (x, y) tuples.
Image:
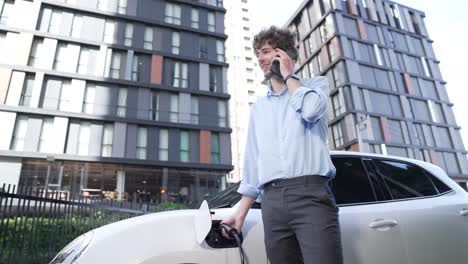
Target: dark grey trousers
[(300, 221)]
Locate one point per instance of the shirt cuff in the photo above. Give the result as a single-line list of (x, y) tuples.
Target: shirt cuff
[(298, 97), (248, 190)]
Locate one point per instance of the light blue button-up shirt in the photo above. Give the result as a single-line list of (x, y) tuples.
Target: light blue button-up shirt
[(287, 137)]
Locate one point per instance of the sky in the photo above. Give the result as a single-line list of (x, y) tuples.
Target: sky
[(445, 21)]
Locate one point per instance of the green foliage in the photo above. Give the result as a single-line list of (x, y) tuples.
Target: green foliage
[(166, 206)]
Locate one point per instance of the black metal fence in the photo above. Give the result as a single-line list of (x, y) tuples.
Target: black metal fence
[(35, 224)]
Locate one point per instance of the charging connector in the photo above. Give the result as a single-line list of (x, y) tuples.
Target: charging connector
[(232, 232)]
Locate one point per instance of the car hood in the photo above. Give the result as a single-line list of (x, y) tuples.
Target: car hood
[(165, 236)]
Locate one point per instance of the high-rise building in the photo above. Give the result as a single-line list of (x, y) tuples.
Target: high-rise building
[(125, 99), (387, 94), (244, 77)]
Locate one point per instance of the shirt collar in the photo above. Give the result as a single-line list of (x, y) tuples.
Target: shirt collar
[(271, 93)]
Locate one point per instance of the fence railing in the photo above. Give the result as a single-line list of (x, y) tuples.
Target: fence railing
[(36, 224)]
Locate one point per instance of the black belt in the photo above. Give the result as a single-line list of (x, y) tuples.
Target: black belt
[(301, 180)]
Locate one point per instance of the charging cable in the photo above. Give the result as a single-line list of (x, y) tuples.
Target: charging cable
[(232, 232)]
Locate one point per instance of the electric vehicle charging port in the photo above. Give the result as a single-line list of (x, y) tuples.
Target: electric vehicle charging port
[(215, 238)]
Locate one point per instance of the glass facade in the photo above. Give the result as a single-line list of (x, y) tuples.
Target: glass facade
[(118, 101), (385, 82)]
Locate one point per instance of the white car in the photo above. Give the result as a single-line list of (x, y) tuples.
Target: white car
[(392, 210)]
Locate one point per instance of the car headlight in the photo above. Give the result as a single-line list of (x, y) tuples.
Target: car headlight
[(73, 250)]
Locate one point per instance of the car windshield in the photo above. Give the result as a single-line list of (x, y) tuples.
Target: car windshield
[(227, 198)]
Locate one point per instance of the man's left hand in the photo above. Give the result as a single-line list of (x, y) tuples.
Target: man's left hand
[(286, 63)]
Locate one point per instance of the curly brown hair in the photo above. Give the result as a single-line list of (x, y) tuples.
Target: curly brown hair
[(276, 38)]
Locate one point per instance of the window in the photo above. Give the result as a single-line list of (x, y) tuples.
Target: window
[(67, 96), (88, 99), (26, 94), (337, 103), (211, 22), (37, 58), (194, 18), (154, 110), (215, 79), (184, 146), (404, 180), (222, 113), (174, 108), (220, 50), (180, 75), (128, 35), (219, 3), (148, 40), (444, 138), (136, 68), (426, 69), (122, 7), (194, 110), (122, 102), (420, 110), (77, 25), (351, 184), (163, 144), (61, 61), (6, 11), (115, 64), (141, 143), (175, 42), (109, 31), (83, 62), (107, 138), (378, 55), (172, 14), (19, 134), (55, 22), (396, 16), (203, 54), (215, 155), (337, 135), (83, 138), (46, 139)]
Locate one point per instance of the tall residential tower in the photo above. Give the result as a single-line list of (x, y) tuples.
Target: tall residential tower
[(125, 99), (387, 94)]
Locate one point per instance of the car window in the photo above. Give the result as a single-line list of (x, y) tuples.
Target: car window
[(441, 187), (351, 183), (404, 180), (227, 198)]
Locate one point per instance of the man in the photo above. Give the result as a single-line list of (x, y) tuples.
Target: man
[(287, 163)]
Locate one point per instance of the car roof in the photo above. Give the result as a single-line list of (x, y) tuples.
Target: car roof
[(427, 165)]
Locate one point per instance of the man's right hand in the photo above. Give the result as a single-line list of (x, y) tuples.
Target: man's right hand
[(236, 220)]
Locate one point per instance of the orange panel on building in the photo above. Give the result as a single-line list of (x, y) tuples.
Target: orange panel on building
[(361, 29), (302, 53), (325, 56), (352, 7), (384, 127), (335, 45), (205, 146), (433, 156), (156, 69), (407, 82)]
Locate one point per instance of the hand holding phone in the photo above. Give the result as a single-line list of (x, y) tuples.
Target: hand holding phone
[(275, 65)]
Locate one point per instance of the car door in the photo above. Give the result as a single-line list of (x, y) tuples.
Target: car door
[(370, 229), (433, 217)]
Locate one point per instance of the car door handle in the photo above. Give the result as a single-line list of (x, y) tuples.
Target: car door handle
[(464, 212), (383, 224)]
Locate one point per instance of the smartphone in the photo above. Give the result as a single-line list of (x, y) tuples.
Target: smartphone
[(275, 66)]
